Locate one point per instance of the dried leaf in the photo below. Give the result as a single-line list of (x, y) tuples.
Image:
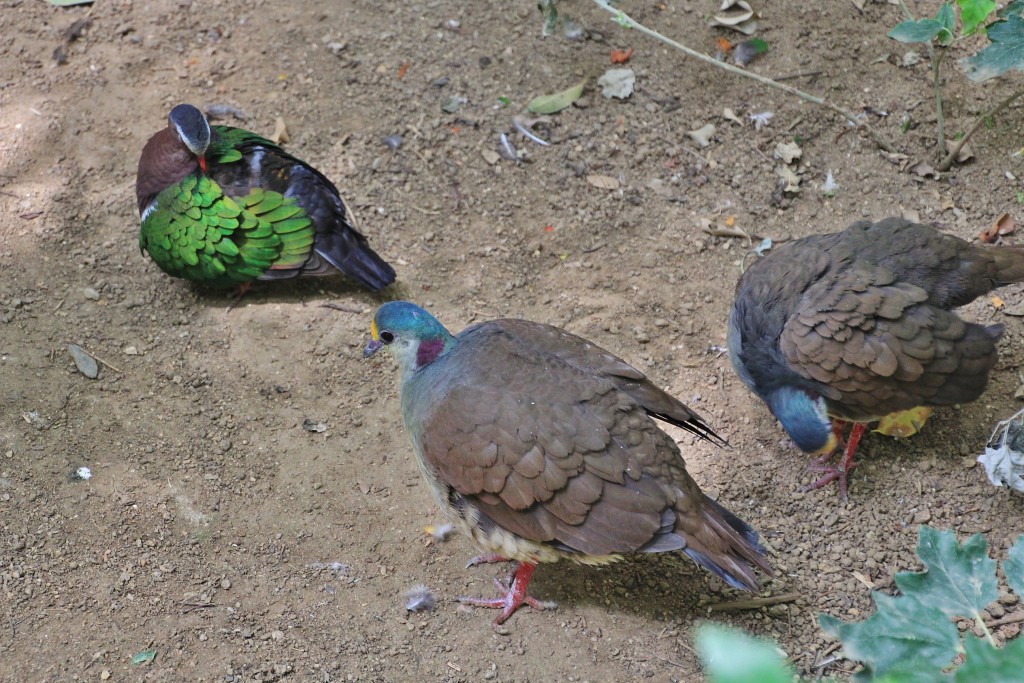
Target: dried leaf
[(792, 180), (964, 154), (731, 115), (1004, 225), (621, 56), (702, 136), (997, 302), (603, 181), (617, 83), (737, 15), (924, 170), (788, 152), (280, 135)]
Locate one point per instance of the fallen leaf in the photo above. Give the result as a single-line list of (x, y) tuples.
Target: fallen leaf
[(787, 152), (280, 135), (964, 154), (617, 83), (402, 68), (702, 135), (737, 15), (868, 583), (729, 114), (621, 56), (924, 170), (997, 302), (556, 102), (1004, 225), (603, 181), (792, 180)]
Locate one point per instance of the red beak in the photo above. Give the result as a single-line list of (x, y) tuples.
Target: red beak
[(202, 164)]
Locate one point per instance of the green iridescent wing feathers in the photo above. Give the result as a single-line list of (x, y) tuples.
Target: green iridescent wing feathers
[(198, 233)]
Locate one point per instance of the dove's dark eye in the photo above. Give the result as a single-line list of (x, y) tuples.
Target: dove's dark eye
[(386, 336)]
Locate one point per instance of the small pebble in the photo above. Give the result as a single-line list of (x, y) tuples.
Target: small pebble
[(85, 363)]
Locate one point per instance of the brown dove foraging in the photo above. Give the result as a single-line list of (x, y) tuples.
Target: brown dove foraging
[(857, 326), (541, 446)]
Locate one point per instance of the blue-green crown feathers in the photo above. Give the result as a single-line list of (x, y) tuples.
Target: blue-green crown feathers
[(804, 416), (407, 321)]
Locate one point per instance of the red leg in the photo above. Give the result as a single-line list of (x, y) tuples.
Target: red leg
[(838, 472), (512, 597), (242, 289)]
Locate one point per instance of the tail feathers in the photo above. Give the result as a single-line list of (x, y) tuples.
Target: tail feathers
[(350, 253), (729, 549), (1009, 262)]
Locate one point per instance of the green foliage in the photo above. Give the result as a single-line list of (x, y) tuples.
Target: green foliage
[(731, 656), (1005, 53), (924, 30), (910, 638), (1013, 567), (973, 13), (958, 579), (899, 639)]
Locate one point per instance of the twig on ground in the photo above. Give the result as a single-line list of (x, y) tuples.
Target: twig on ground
[(340, 307), (954, 149), (624, 19), (754, 603)]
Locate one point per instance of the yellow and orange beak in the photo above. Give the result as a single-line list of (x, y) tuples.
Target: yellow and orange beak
[(375, 344), (830, 445)]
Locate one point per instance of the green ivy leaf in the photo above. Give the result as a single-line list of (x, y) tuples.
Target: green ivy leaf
[(920, 31), (1013, 567), (991, 664), (1005, 53), (959, 580), (731, 656), (947, 17), (904, 639), (974, 13), (1015, 7)]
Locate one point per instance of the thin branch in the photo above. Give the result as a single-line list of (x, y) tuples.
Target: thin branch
[(754, 603), (954, 150), (624, 19)]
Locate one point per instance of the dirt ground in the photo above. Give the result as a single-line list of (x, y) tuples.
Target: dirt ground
[(220, 532)]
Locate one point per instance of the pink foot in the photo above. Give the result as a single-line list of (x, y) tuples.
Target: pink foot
[(489, 558), (837, 473), (512, 597)]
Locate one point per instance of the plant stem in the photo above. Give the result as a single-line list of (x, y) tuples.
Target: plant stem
[(625, 20), (936, 62), (954, 150), (940, 125)]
